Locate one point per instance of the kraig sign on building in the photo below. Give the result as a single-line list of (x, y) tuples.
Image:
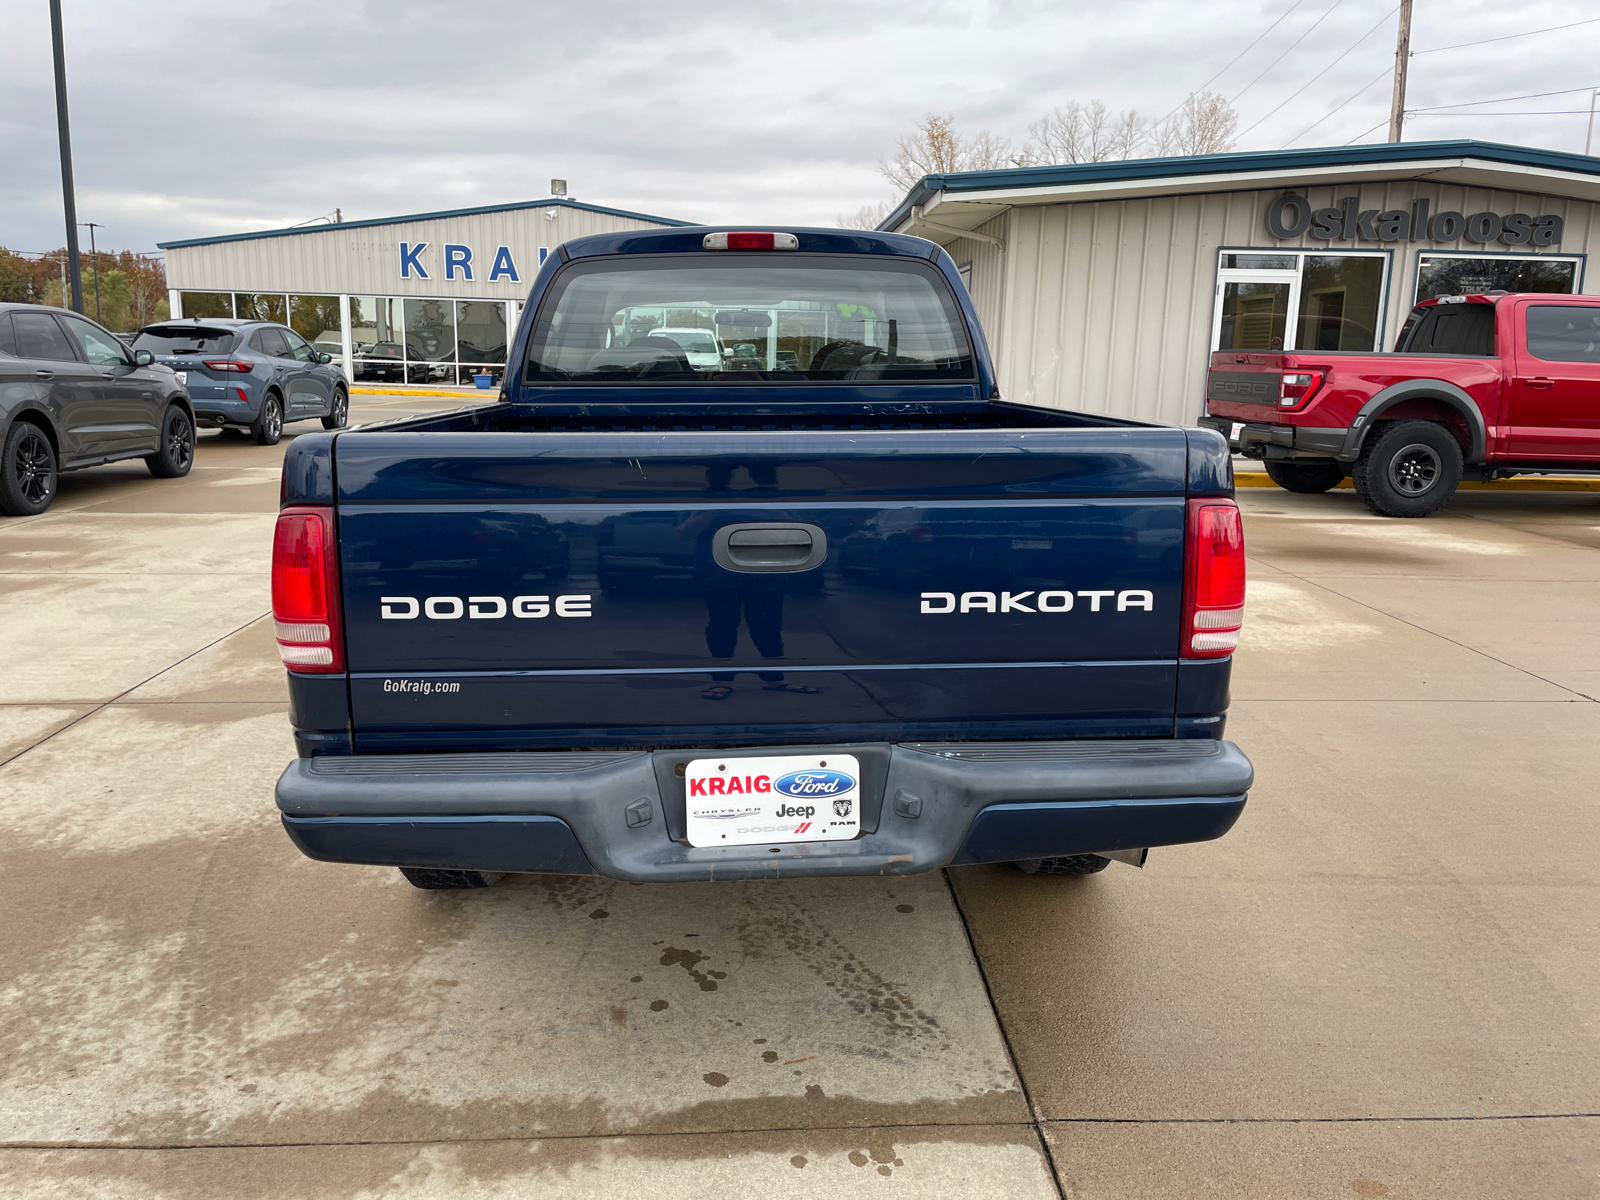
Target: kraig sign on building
[(458, 263), (1291, 216)]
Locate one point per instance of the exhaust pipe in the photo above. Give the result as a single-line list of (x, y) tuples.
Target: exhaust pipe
[(1134, 858)]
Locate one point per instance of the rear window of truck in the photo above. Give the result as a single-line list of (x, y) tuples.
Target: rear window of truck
[(1466, 329), (778, 318)]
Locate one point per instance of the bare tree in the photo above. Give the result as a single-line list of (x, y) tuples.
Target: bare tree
[(868, 216), (935, 148), (1084, 133), (1204, 125)]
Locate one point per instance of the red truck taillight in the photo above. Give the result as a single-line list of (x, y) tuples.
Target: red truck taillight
[(1296, 387), (1213, 588), (305, 591)]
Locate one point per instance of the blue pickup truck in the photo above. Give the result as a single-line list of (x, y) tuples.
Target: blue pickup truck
[(819, 604)]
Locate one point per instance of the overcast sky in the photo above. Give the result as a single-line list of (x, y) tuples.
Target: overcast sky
[(202, 118)]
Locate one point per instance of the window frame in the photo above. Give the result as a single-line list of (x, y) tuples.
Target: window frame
[(1295, 277)]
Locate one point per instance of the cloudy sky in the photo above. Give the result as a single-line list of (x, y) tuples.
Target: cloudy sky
[(197, 118)]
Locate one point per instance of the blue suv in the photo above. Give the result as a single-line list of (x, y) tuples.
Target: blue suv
[(250, 374)]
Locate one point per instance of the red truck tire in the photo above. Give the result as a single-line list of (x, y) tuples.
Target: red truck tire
[(1408, 469), (1307, 478)]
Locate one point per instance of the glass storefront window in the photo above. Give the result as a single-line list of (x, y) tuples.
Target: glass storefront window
[(430, 341), (261, 306), (316, 318), (207, 304), (1299, 301), (481, 331), (1471, 275), (375, 339), (1340, 298), (1254, 314)]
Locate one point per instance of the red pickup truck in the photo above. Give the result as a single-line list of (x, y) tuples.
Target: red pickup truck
[(1478, 387)]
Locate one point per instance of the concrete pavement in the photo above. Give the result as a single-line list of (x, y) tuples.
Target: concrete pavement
[(1384, 982)]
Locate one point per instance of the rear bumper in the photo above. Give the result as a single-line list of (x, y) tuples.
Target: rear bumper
[(1267, 440), (620, 814)]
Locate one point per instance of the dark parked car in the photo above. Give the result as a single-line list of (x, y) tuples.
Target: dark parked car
[(72, 396), (250, 374)]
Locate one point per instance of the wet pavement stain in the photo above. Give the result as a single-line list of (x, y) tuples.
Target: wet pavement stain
[(687, 959)]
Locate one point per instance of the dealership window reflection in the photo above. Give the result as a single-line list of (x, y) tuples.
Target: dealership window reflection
[(1472, 275)]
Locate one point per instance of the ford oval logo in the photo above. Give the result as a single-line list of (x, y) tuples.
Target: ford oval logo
[(813, 783)]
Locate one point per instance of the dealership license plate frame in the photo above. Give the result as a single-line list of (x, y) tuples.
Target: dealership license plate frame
[(183, 377), (752, 816)]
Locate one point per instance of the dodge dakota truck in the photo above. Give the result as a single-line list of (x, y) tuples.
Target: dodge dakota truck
[(825, 605), (1478, 387)]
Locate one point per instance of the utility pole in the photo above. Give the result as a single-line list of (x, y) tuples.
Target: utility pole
[(65, 136), (1402, 56), (94, 263), (1588, 138)]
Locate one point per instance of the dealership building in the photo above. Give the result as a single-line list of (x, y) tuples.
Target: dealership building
[(429, 298), (1101, 286), (1105, 286)]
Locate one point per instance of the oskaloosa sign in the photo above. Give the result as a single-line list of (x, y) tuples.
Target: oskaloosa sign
[(1292, 216)]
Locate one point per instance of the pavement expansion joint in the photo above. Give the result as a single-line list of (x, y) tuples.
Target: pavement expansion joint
[(1566, 1116)]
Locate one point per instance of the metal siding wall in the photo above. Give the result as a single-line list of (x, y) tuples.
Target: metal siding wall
[(988, 284), (365, 261), (1107, 305)]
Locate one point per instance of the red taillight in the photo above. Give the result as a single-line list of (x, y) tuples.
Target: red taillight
[(1213, 591), (227, 364), (750, 241), (305, 591), (1297, 386)]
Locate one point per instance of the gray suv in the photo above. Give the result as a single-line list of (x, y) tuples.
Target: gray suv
[(250, 374), (71, 396)]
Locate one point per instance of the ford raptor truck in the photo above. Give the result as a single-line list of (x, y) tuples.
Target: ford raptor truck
[(823, 604), (1478, 387)]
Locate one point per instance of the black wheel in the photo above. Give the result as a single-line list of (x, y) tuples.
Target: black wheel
[(1308, 478), (430, 879), (1067, 864), (28, 477), (339, 413), (268, 427), (1408, 469), (176, 454)]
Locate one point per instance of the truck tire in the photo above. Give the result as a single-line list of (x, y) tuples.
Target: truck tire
[(267, 428), (1069, 864), (28, 474), (430, 879), (1308, 478), (175, 455), (1408, 469)]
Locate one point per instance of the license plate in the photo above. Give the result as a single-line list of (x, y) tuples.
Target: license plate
[(1238, 428), (785, 798), (183, 377)]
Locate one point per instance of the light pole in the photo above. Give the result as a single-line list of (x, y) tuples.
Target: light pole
[(65, 136), (94, 264)]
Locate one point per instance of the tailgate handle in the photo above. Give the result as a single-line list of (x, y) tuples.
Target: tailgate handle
[(767, 546)]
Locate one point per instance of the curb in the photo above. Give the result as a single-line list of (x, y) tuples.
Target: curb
[(1254, 479), (461, 392)]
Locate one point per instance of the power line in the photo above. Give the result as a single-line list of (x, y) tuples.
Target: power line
[(1234, 59), (1507, 37), (1286, 53), (1506, 99), (1329, 67), (1364, 132), (1381, 74), (1532, 112)]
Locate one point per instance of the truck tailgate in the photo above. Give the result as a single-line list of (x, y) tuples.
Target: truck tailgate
[(528, 590)]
